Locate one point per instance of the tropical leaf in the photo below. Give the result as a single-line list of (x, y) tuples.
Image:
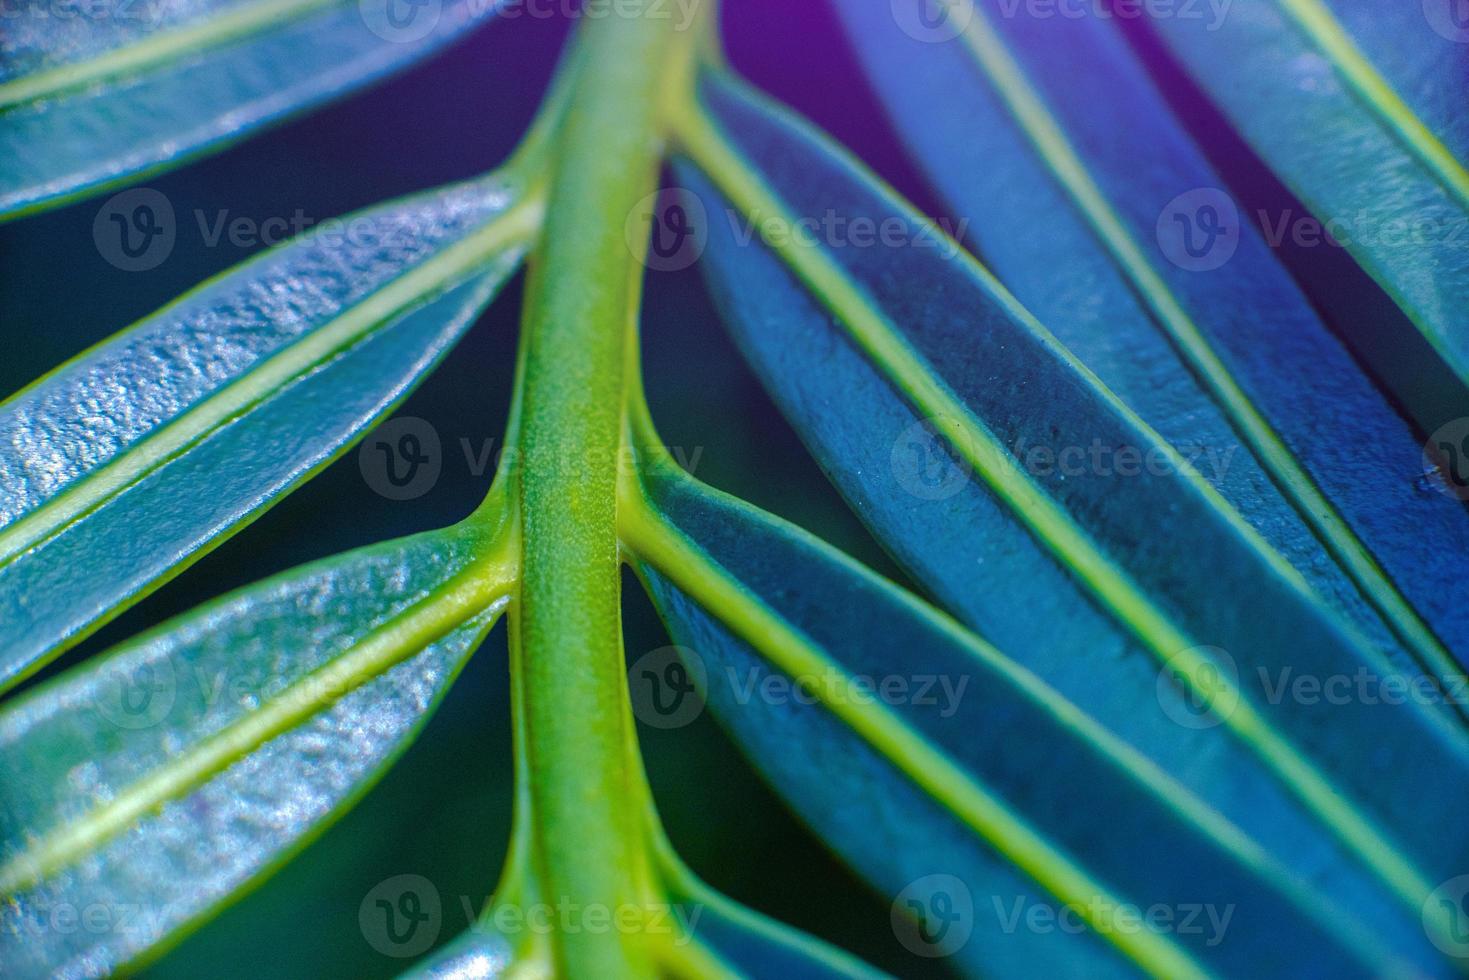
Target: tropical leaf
[(117, 90), (745, 943), (1358, 121), (1185, 681), (926, 391), (163, 777), (976, 771), (719, 937), (102, 461), (478, 954), (1049, 164)]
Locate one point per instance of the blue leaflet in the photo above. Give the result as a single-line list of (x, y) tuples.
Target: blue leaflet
[(79, 140), (1188, 566), (66, 567), (1025, 222), (1127, 825)]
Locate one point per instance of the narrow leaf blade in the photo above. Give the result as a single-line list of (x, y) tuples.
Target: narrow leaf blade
[(87, 102), (169, 774), (921, 385), (1299, 88), (1074, 819), (247, 386), (1007, 143)]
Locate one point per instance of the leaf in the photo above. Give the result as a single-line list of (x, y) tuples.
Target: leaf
[(743, 941), (922, 387), (1420, 50), (122, 467), (165, 776), (991, 782), (1038, 137), (113, 91), (477, 954), (1391, 186), (726, 937)]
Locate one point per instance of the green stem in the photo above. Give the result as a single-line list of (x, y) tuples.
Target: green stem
[(589, 845)]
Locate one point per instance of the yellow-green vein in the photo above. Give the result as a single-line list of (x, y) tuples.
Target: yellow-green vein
[(1049, 522), (160, 48), (1047, 136), (481, 586), (666, 550), (1318, 25), (513, 229)]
